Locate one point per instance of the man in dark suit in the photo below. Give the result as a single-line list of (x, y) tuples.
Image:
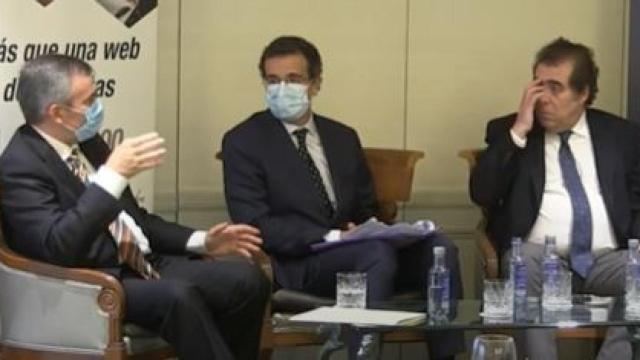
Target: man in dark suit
[(302, 178), (561, 169), (65, 201)]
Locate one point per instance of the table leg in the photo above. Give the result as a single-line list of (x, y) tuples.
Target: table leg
[(634, 338), (352, 337)]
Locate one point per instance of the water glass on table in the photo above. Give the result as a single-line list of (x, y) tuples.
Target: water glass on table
[(497, 298), (558, 295), (351, 290), (493, 347)]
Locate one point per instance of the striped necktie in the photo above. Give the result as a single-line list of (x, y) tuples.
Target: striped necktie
[(128, 251), (301, 136)]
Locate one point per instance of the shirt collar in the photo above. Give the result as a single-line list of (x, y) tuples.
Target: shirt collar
[(580, 128), (310, 126), (63, 150)]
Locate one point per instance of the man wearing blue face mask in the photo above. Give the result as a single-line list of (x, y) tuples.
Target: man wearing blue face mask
[(65, 200), (301, 178)]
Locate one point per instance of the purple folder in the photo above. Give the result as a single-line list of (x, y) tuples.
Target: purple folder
[(400, 234)]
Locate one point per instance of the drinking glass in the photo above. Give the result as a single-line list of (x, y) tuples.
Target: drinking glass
[(559, 296), (497, 298), (351, 290), (493, 347)]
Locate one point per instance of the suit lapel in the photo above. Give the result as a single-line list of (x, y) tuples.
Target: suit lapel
[(603, 152), (95, 151), (52, 160), (536, 160)]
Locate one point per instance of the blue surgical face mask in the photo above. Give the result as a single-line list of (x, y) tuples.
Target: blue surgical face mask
[(287, 102), (93, 117)]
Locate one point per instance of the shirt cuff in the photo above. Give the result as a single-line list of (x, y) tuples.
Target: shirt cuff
[(110, 181), (520, 142), (332, 235), (196, 242)]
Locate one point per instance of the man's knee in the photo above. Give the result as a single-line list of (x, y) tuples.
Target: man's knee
[(531, 253), (181, 293), (249, 281), (382, 256)]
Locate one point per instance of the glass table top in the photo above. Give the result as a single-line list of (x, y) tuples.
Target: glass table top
[(586, 311)]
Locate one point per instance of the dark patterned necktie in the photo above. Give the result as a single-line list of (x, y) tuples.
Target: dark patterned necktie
[(581, 231), (301, 136), (128, 251), (77, 166)]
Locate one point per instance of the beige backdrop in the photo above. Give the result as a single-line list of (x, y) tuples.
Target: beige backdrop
[(420, 74)]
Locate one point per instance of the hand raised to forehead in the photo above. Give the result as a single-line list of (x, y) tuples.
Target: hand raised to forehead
[(530, 96)]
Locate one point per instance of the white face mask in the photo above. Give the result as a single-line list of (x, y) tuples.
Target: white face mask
[(287, 102), (93, 117)]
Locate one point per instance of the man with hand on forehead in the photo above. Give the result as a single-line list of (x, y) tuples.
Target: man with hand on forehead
[(66, 201), (560, 168)]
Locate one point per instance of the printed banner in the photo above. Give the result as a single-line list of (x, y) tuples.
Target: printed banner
[(117, 37)]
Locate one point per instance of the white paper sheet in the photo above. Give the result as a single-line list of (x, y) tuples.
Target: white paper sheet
[(359, 316)]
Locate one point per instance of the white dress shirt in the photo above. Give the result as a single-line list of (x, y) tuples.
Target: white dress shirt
[(114, 184), (556, 215), (314, 145)]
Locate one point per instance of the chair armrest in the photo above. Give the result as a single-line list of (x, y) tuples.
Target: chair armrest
[(263, 260), (38, 301), (489, 255), (387, 212), (297, 301), (470, 155)]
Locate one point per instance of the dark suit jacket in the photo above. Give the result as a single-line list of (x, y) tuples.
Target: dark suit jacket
[(49, 215), (268, 185), (508, 182)]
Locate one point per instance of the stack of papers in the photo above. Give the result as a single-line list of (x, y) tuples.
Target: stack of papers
[(360, 316), (400, 234)]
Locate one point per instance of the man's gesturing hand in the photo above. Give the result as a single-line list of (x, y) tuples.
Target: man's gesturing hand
[(137, 154), (233, 239)]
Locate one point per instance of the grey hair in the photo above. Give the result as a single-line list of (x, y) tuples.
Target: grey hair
[(46, 80)]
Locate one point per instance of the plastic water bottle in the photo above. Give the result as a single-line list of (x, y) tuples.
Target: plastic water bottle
[(518, 278), (439, 288), (632, 293), (550, 271)]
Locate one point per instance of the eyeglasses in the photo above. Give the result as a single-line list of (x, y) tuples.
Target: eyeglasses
[(293, 79), (74, 109)]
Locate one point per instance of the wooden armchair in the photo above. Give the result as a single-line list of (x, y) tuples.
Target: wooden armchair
[(491, 258), (53, 312), (392, 173)]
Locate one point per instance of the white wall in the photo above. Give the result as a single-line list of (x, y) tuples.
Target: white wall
[(420, 74)]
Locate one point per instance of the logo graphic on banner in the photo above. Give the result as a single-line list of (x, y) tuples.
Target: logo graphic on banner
[(128, 12)]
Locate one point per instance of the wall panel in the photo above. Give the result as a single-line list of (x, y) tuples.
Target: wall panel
[(470, 60), (361, 43)]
